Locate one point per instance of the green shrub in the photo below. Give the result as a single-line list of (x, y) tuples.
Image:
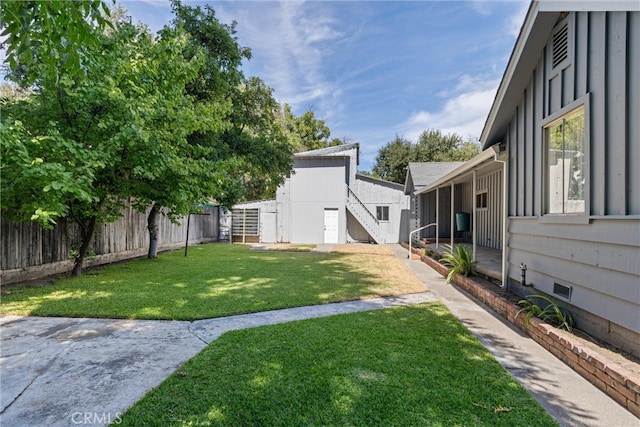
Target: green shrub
[(459, 259), (551, 313)]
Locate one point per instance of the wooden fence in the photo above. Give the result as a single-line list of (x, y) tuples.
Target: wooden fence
[(29, 251)]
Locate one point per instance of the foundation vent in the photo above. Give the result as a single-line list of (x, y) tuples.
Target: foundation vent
[(562, 290)]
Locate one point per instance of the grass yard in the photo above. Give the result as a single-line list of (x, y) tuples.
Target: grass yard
[(217, 280), (404, 366)]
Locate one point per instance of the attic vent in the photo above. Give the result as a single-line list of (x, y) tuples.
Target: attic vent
[(560, 46)]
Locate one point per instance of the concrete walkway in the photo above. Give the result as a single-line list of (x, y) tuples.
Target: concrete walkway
[(569, 398), (65, 372)]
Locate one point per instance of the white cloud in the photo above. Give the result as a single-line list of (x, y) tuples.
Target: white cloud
[(482, 7), (156, 2), (463, 113), (514, 23), (290, 43)]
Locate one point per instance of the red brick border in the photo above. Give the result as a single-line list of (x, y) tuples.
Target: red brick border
[(616, 381)]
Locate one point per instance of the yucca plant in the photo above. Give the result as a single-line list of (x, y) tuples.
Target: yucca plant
[(551, 313), (459, 259)]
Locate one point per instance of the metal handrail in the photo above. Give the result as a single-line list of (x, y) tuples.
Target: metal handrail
[(350, 193), (419, 229)]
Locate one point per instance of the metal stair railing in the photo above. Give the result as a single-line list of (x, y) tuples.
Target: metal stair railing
[(363, 215), (433, 224)]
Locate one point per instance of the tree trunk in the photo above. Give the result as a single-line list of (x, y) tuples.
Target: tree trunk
[(152, 226), (87, 235)]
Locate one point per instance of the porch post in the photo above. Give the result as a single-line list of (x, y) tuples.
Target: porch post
[(505, 215), (473, 214), (437, 216), (453, 215)]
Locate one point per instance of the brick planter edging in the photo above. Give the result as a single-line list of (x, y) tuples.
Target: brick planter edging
[(614, 380)]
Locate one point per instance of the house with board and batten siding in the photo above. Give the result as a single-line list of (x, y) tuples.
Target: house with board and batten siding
[(566, 122)]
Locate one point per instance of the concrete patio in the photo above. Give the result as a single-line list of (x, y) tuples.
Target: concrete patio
[(489, 259)]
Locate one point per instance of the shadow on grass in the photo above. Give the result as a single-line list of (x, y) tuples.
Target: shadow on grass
[(214, 280), (404, 366)]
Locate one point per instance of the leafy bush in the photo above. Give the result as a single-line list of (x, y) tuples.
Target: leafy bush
[(551, 313), (459, 259)]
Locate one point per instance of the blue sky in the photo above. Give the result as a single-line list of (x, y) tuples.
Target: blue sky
[(373, 69)]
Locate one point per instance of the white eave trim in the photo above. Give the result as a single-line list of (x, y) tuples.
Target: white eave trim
[(588, 6), (523, 36)]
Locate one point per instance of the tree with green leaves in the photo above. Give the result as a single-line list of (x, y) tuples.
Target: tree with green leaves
[(44, 36), (432, 146), (253, 149), (82, 144), (166, 121), (305, 133), (41, 171), (258, 140), (313, 133), (392, 160)]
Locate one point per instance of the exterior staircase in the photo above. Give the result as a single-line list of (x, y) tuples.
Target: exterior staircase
[(364, 216)]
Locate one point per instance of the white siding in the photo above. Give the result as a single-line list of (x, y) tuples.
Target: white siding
[(316, 185), (375, 193)]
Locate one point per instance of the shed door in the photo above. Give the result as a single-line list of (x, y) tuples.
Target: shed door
[(331, 225)]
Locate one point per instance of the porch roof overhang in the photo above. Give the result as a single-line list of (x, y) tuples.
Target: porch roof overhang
[(541, 17), (482, 160)]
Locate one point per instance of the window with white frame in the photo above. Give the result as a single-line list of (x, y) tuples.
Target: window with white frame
[(565, 171), (382, 213)]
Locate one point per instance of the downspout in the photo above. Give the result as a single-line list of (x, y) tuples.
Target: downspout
[(498, 148)]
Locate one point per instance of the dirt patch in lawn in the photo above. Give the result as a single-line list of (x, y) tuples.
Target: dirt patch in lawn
[(380, 260), (286, 247), (363, 248)]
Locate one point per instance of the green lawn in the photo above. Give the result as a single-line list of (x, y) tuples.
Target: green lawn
[(404, 366), (214, 280)]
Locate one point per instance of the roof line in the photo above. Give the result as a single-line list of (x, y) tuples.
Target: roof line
[(476, 161), (384, 181)]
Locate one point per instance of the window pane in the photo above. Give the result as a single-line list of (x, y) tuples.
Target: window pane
[(566, 164), (382, 213), (481, 200), (574, 154), (554, 168)]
